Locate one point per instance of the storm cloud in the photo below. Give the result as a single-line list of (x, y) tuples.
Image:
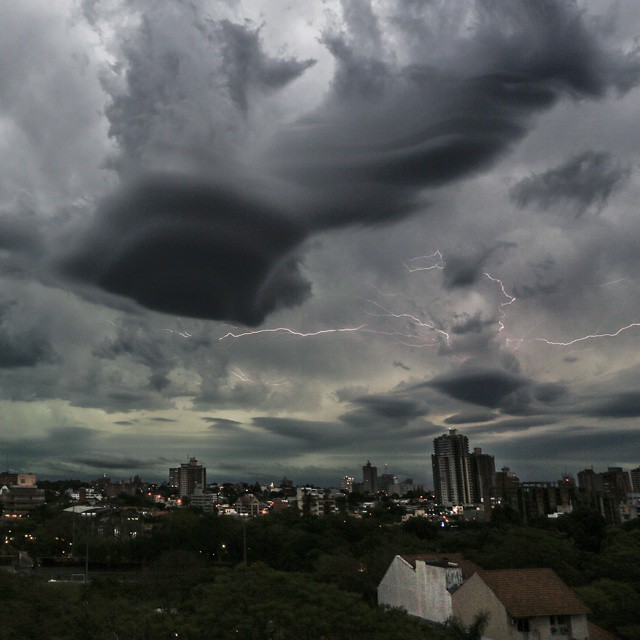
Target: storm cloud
[(583, 182), (288, 239), (384, 133)]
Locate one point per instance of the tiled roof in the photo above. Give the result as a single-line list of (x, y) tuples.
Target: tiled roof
[(440, 559), (533, 592), (597, 633)]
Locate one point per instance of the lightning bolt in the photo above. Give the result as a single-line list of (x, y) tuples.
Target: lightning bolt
[(436, 256), (593, 336), (184, 334), (238, 373), (413, 319), (241, 375), (292, 332), (510, 300)]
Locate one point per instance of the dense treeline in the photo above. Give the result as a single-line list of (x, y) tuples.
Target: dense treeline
[(189, 553)]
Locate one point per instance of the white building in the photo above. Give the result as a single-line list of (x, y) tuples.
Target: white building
[(422, 584), (522, 604)]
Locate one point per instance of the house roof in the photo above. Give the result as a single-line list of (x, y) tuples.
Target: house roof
[(533, 592), (597, 633), (441, 559)]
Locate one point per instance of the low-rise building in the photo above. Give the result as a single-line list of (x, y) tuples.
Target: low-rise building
[(248, 505), (522, 604), (422, 584)]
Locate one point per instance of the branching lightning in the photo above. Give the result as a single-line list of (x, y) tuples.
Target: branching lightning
[(436, 256), (510, 300)]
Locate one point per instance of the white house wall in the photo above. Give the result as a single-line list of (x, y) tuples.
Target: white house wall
[(421, 592)]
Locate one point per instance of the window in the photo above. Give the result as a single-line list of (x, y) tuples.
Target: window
[(560, 625), (522, 624)]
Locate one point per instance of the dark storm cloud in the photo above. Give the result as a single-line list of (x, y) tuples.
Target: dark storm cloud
[(384, 132), (550, 392), (312, 432), (621, 405), (487, 388), (21, 234), (246, 66), (23, 348), (468, 417), (420, 126), (586, 446), (392, 409), (101, 461), (221, 423), (462, 271), (583, 182), (193, 249), (57, 442), (515, 424), (471, 324)]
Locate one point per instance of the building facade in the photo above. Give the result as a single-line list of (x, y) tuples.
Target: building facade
[(187, 476), (450, 462), (522, 604), (370, 478), (422, 584), (482, 469)]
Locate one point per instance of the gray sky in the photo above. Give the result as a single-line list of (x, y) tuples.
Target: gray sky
[(286, 238)]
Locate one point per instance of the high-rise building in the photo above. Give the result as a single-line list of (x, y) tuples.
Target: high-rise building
[(370, 478), (507, 483), (482, 471), (187, 476), (605, 491), (635, 480), (450, 462)]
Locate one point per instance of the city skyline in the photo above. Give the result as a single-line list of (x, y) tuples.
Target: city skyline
[(288, 239)]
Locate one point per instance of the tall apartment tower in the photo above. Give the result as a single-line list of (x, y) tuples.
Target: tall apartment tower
[(450, 462), (482, 471), (187, 476), (635, 480), (370, 478)]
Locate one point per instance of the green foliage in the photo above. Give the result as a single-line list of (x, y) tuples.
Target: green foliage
[(474, 631), (260, 603), (586, 527), (504, 514)]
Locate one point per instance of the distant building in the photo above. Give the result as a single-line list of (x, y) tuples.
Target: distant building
[(19, 494), (422, 584), (605, 491), (450, 462), (187, 476), (370, 478), (202, 500), (482, 471), (635, 480), (248, 505), (507, 483), (522, 603), (388, 483), (18, 501), (630, 508), (8, 479), (347, 483)]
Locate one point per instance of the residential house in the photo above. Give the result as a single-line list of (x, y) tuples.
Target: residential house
[(422, 584), (523, 604)]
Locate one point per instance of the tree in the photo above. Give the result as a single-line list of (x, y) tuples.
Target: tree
[(474, 631)]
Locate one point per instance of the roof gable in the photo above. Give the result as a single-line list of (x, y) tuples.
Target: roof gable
[(533, 592)]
